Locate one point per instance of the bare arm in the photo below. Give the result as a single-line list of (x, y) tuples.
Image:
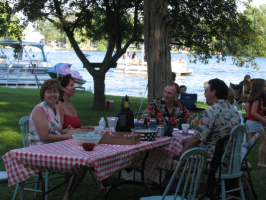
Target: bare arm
[(193, 142), (40, 120), (254, 112), (61, 112)]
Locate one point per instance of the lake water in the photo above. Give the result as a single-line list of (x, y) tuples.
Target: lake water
[(135, 85)]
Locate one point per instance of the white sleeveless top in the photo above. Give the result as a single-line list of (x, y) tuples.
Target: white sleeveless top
[(53, 123)]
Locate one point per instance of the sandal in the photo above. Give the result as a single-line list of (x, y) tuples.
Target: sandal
[(103, 188)]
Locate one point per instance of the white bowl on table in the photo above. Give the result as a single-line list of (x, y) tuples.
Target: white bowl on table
[(89, 137)]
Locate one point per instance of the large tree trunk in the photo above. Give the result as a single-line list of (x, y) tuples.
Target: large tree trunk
[(99, 89), (157, 46), (98, 75)]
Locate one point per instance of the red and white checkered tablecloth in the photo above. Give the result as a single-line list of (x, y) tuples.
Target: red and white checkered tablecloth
[(67, 156), (158, 157)]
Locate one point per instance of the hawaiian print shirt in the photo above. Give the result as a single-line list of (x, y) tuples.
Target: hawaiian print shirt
[(158, 110), (53, 123), (216, 122)]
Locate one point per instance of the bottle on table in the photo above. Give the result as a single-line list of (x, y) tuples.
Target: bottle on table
[(102, 123), (145, 124), (126, 102)]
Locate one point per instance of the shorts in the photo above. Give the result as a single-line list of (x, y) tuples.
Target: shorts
[(253, 126)]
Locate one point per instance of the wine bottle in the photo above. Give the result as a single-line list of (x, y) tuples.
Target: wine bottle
[(145, 124)]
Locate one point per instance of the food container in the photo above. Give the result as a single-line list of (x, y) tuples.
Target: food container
[(146, 134), (87, 140), (120, 138)]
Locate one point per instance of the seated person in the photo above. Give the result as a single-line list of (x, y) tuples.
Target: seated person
[(183, 89), (126, 55), (217, 120), (246, 78), (69, 116), (135, 58), (68, 113), (44, 123), (166, 110)]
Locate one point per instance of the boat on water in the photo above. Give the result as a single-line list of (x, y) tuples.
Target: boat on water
[(129, 66), (29, 67), (180, 67), (25, 68), (62, 69)]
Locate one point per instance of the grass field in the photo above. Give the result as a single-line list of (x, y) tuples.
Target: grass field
[(15, 103)]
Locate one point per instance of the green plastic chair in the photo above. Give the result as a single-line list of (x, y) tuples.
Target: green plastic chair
[(231, 164), (246, 166), (3, 177), (190, 168), (24, 128)]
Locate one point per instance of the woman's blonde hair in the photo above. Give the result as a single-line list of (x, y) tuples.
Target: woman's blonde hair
[(231, 96)]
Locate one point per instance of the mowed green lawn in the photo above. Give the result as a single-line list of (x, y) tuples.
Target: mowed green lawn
[(15, 103)]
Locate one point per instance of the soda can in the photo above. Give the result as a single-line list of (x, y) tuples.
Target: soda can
[(160, 131), (153, 121)]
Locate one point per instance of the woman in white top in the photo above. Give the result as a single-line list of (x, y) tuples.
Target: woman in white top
[(44, 124)]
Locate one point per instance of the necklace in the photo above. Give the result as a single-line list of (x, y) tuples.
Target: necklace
[(69, 105)]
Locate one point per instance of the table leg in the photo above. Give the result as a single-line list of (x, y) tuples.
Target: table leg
[(133, 182), (69, 189), (21, 190), (42, 184)]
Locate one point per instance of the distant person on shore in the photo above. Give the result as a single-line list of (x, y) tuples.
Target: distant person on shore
[(135, 59), (244, 86), (182, 63), (255, 116), (181, 60), (246, 78), (183, 89), (126, 56)]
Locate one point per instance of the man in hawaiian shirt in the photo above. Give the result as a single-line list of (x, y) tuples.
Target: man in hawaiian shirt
[(167, 110), (217, 120)]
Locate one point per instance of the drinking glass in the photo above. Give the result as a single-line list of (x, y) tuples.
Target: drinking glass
[(112, 123), (185, 128)]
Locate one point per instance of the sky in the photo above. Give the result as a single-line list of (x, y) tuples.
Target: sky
[(258, 2)]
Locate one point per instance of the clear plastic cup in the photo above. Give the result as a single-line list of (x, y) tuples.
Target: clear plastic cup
[(185, 128)]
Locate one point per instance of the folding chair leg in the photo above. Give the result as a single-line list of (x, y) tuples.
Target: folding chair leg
[(36, 186), (46, 183), (94, 179), (223, 189), (15, 192), (251, 185), (241, 189)]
